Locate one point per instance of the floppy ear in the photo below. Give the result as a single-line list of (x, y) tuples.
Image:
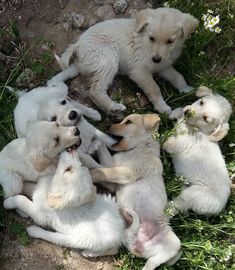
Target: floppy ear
[(203, 91), (189, 24), (219, 133), (55, 200), (40, 162), (142, 19), (151, 121)]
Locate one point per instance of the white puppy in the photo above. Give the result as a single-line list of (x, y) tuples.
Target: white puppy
[(138, 171), (26, 159), (197, 156), (67, 203), (50, 103), (138, 47)]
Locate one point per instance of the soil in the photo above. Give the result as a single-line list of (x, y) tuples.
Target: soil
[(50, 21)]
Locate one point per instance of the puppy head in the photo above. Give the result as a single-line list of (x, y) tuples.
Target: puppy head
[(45, 140), (164, 30), (71, 185), (210, 114), (60, 110), (134, 130)]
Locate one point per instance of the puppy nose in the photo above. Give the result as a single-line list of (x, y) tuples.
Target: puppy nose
[(77, 132), (73, 115), (156, 59)]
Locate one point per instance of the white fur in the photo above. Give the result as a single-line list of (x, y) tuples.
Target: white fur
[(26, 159), (138, 171), (124, 45), (67, 203), (199, 159), (46, 103)]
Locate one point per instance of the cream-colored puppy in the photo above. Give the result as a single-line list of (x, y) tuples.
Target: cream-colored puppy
[(197, 156), (137, 170), (26, 159), (67, 203), (138, 47)]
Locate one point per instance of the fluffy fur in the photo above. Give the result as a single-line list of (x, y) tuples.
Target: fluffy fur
[(67, 203), (26, 159), (197, 156), (137, 169), (138, 47), (51, 103)]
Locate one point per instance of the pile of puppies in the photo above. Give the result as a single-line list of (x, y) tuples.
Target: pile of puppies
[(48, 172)]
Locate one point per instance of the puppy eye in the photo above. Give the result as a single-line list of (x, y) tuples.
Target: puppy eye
[(128, 122), (63, 102), (57, 139), (201, 102), (205, 118), (54, 118), (169, 41), (69, 169), (152, 38)]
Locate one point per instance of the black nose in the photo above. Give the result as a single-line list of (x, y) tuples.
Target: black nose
[(156, 59), (77, 132), (187, 112), (73, 115)]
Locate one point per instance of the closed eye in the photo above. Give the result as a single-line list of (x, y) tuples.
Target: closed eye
[(57, 140), (128, 122), (69, 169), (170, 41), (205, 118), (201, 102), (152, 38), (54, 118)]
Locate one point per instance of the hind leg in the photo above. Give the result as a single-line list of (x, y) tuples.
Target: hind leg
[(12, 185)]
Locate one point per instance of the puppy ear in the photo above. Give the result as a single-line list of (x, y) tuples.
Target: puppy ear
[(55, 200), (203, 91), (40, 162), (142, 19), (189, 24), (151, 121), (219, 133)]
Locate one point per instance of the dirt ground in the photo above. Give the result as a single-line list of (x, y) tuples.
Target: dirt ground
[(51, 21)]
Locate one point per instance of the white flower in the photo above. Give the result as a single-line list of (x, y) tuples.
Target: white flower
[(210, 11), (166, 4), (201, 53), (217, 29), (231, 16)]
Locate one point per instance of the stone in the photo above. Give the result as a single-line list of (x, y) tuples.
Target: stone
[(76, 20), (120, 6), (105, 12)]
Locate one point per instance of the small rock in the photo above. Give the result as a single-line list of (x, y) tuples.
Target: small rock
[(105, 12), (66, 26), (25, 78), (120, 6), (45, 47), (76, 20)]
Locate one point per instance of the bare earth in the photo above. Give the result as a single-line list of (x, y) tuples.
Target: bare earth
[(49, 20)]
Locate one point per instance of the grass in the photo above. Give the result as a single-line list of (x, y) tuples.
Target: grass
[(207, 59)]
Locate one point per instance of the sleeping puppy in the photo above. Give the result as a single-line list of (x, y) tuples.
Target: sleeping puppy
[(26, 159), (137, 170), (197, 156), (51, 103), (137, 47), (67, 202)]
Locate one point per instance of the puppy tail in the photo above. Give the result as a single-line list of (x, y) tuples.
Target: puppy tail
[(133, 225), (63, 61)]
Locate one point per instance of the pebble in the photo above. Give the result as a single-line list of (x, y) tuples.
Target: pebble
[(105, 12), (76, 20), (120, 6)]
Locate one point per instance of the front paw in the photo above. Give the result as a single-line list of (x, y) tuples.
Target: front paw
[(95, 145), (177, 113), (186, 89), (9, 203), (117, 107), (162, 107), (34, 231), (94, 115)]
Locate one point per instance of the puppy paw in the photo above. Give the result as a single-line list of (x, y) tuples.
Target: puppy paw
[(94, 115), (118, 107), (177, 113), (95, 145), (89, 254), (9, 203), (22, 214), (34, 231), (162, 107), (186, 89)]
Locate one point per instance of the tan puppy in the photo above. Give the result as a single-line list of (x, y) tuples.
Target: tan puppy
[(137, 47), (138, 171)]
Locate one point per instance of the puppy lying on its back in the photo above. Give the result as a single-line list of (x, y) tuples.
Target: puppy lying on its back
[(138, 47), (51, 103), (26, 159), (197, 156), (137, 170), (67, 203)]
